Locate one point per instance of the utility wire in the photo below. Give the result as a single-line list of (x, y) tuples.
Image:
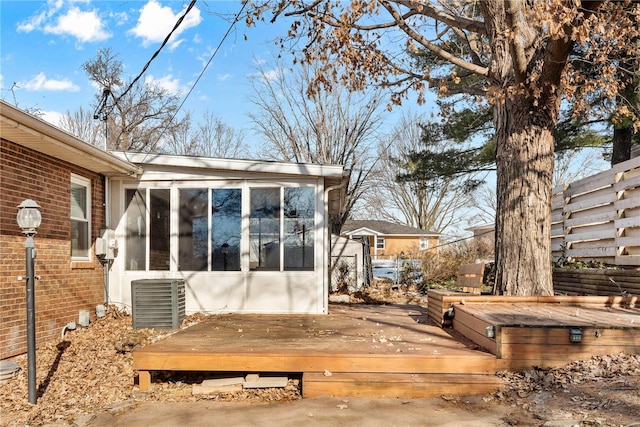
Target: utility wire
[(204, 69), (157, 52)]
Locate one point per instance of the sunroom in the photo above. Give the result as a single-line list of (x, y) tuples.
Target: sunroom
[(243, 236)]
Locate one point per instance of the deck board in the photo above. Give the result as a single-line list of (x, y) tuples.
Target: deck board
[(374, 340)]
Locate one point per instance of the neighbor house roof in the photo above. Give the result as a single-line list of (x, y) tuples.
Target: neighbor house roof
[(32, 132), (381, 228)]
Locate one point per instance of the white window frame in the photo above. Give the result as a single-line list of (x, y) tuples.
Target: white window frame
[(86, 183), (381, 242), (424, 243)]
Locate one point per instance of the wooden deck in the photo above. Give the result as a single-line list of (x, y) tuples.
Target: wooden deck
[(361, 350), (402, 350), (534, 331)]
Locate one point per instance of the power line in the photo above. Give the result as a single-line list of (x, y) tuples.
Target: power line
[(157, 52), (204, 69)]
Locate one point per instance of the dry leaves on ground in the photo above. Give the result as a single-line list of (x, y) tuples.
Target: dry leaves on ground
[(90, 371)]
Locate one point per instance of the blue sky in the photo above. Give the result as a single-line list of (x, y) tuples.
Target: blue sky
[(43, 45)]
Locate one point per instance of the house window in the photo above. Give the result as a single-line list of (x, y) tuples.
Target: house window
[(264, 229), (136, 229), (424, 243), (226, 229), (299, 211), (281, 220), (380, 242), (193, 245), (80, 218), (159, 236)]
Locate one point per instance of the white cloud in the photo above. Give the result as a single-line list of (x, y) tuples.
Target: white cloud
[(167, 83), (52, 117), (36, 21), (223, 77), (156, 21), (86, 26), (271, 75), (40, 82)]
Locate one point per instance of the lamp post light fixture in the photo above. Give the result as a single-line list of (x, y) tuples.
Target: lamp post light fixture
[(29, 219)]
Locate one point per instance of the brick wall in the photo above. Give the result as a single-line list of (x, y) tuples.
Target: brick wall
[(64, 287)]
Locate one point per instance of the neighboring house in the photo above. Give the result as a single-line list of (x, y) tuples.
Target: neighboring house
[(484, 231), (243, 236), (388, 240), (67, 178)]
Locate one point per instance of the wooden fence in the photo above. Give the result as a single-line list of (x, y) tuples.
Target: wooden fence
[(598, 218)]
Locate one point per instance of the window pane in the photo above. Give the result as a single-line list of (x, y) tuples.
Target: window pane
[(299, 211), (80, 230), (136, 230), (79, 239), (78, 201), (194, 230), (159, 229), (226, 229), (264, 229)]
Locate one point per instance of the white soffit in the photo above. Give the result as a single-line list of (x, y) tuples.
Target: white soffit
[(29, 131), (235, 165)]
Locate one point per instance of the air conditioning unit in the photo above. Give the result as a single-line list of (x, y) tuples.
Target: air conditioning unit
[(157, 303)]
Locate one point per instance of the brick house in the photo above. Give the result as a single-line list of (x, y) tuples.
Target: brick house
[(66, 177), (388, 240)]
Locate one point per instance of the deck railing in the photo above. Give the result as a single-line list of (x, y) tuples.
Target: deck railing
[(598, 218)]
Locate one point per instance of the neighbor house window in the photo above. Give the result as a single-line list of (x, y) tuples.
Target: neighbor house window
[(80, 218), (264, 229), (424, 243), (380, 242), (299, 211)]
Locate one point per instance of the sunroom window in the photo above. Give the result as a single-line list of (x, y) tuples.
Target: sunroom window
[(226, 229), (264, 229), (299, 211), (193, 245)]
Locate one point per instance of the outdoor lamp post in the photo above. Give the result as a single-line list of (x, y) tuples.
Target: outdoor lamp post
[(29, 219)]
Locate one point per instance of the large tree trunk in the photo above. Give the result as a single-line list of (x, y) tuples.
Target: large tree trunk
[(524, 159)]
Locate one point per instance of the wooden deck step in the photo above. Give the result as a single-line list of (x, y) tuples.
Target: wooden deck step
[(397, 385)]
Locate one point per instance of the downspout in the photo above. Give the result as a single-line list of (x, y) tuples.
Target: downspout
[(325, 289), (107, 223)]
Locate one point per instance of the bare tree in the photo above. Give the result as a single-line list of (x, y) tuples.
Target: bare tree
[(430, 204), (210, 138), (138, 114), (82, 124), (217, 139), (328, 126), (519, 52)]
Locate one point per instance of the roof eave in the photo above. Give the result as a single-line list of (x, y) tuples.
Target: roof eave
[(30, 131)]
